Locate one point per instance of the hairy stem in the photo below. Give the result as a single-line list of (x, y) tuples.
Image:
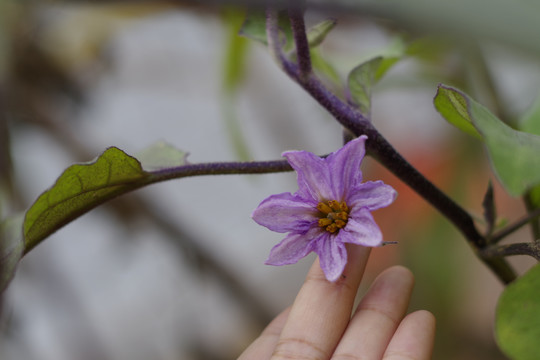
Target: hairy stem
[(220, 168), (378, 147), (530, 248), (530, 217), (302, 47)]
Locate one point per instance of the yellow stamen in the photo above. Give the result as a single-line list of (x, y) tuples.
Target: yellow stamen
[(340, 223), (334, 205), (322, 207), (333, 215), (324, 222), (332, 228)]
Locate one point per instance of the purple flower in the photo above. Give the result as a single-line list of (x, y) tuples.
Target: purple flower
[(332, 207)]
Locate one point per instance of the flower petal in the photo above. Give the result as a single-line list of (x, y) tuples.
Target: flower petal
[(285, 212), (312, 173), (372, 195), (361, 229), (332, 256), (344, 166), (293, 248)]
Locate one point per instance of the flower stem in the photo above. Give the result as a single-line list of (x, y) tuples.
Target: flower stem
[(300, 39), (377, 146), (219, 168)]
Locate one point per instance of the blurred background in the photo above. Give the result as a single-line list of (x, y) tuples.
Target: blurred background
[(175, 271)]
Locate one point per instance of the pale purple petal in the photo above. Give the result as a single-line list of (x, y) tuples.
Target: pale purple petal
[(372, 195), (344, 166), (285, 212), (293, 248), (361, 229), (313, 176), (332, 256)]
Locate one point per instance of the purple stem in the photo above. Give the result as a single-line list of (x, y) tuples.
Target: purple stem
[(377, 146), (219, 168), (301, 41)]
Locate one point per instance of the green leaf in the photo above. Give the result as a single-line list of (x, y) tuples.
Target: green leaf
[(452, 106), (363, 77), (517, 324), (254, 27), (530, 122), (236, 51), (161, 155), (324, 68), (80, 188), (360, 81), (11, 249), (391, 55), (514, 154), (318, 32)]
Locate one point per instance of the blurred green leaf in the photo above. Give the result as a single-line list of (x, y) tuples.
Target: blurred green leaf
[(80, 188), (360, 81), (318, 32), (363, 77), (513, 154), (517, 323), (324, 68), (254, 27), (234, 68), (530, 122), (390, 55), (161, 155), (11, 249), (236, 50)]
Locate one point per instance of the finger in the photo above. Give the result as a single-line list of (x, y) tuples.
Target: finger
[(264, 345), (321, 311), (414, 338), (377, 316)]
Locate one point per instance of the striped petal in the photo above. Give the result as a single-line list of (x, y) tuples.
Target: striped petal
[(314, 180), (285, 212), (332, 256), (372, 195), (291, 249), (344, 166), (361, 229)]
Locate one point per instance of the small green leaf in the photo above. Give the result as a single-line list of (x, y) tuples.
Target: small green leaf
[(361, 80), (452, 106), (80, 188), (11, 249), (514, 154), (254, 27), (363, 77), (161, 155), (318, 32), (517, 324), (324, 68), (391, 55)]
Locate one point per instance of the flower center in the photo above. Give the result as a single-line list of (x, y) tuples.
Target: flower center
[(334, 215)]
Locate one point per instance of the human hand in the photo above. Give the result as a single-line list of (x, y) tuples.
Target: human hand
[(319, 325)]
